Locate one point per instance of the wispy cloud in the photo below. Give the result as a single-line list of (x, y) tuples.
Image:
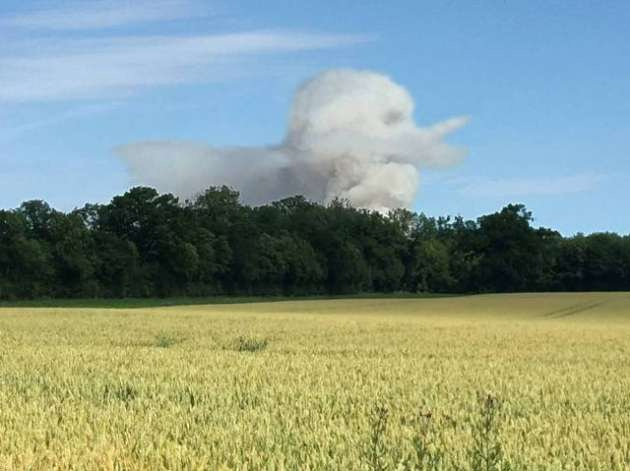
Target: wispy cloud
[(73, 58), (517, 187), (102, 14), (10, 133), (105, 67)]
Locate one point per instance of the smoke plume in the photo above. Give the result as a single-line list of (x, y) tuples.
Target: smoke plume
[(351, 135)]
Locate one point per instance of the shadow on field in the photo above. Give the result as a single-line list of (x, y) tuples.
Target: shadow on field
[(139, 303)]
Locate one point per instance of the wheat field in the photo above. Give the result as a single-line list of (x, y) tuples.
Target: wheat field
[(519, 382)]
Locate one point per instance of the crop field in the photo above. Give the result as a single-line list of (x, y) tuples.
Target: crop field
[(495, 382)]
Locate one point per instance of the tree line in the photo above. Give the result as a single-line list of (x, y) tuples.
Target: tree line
[(146, 244)]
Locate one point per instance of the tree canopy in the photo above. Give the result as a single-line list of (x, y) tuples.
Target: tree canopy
[(146, 244)]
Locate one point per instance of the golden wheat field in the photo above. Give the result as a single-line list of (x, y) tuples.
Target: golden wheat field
[(532, 381)]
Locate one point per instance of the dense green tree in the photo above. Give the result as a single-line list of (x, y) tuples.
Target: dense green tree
[(510, 249), (430, 268), (25, 268)]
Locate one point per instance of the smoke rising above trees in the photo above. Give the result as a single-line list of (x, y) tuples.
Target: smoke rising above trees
[(351, 135)]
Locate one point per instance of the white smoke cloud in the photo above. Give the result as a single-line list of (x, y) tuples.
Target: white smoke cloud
[(351, 135)]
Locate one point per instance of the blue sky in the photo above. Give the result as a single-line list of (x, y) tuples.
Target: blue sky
[(546, 86)]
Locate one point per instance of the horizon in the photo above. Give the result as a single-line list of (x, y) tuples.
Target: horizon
[(546, 94)]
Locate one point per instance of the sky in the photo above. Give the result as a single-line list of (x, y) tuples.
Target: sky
[(545, 84)]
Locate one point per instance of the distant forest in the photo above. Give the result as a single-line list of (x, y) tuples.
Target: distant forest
[(144, 244)]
